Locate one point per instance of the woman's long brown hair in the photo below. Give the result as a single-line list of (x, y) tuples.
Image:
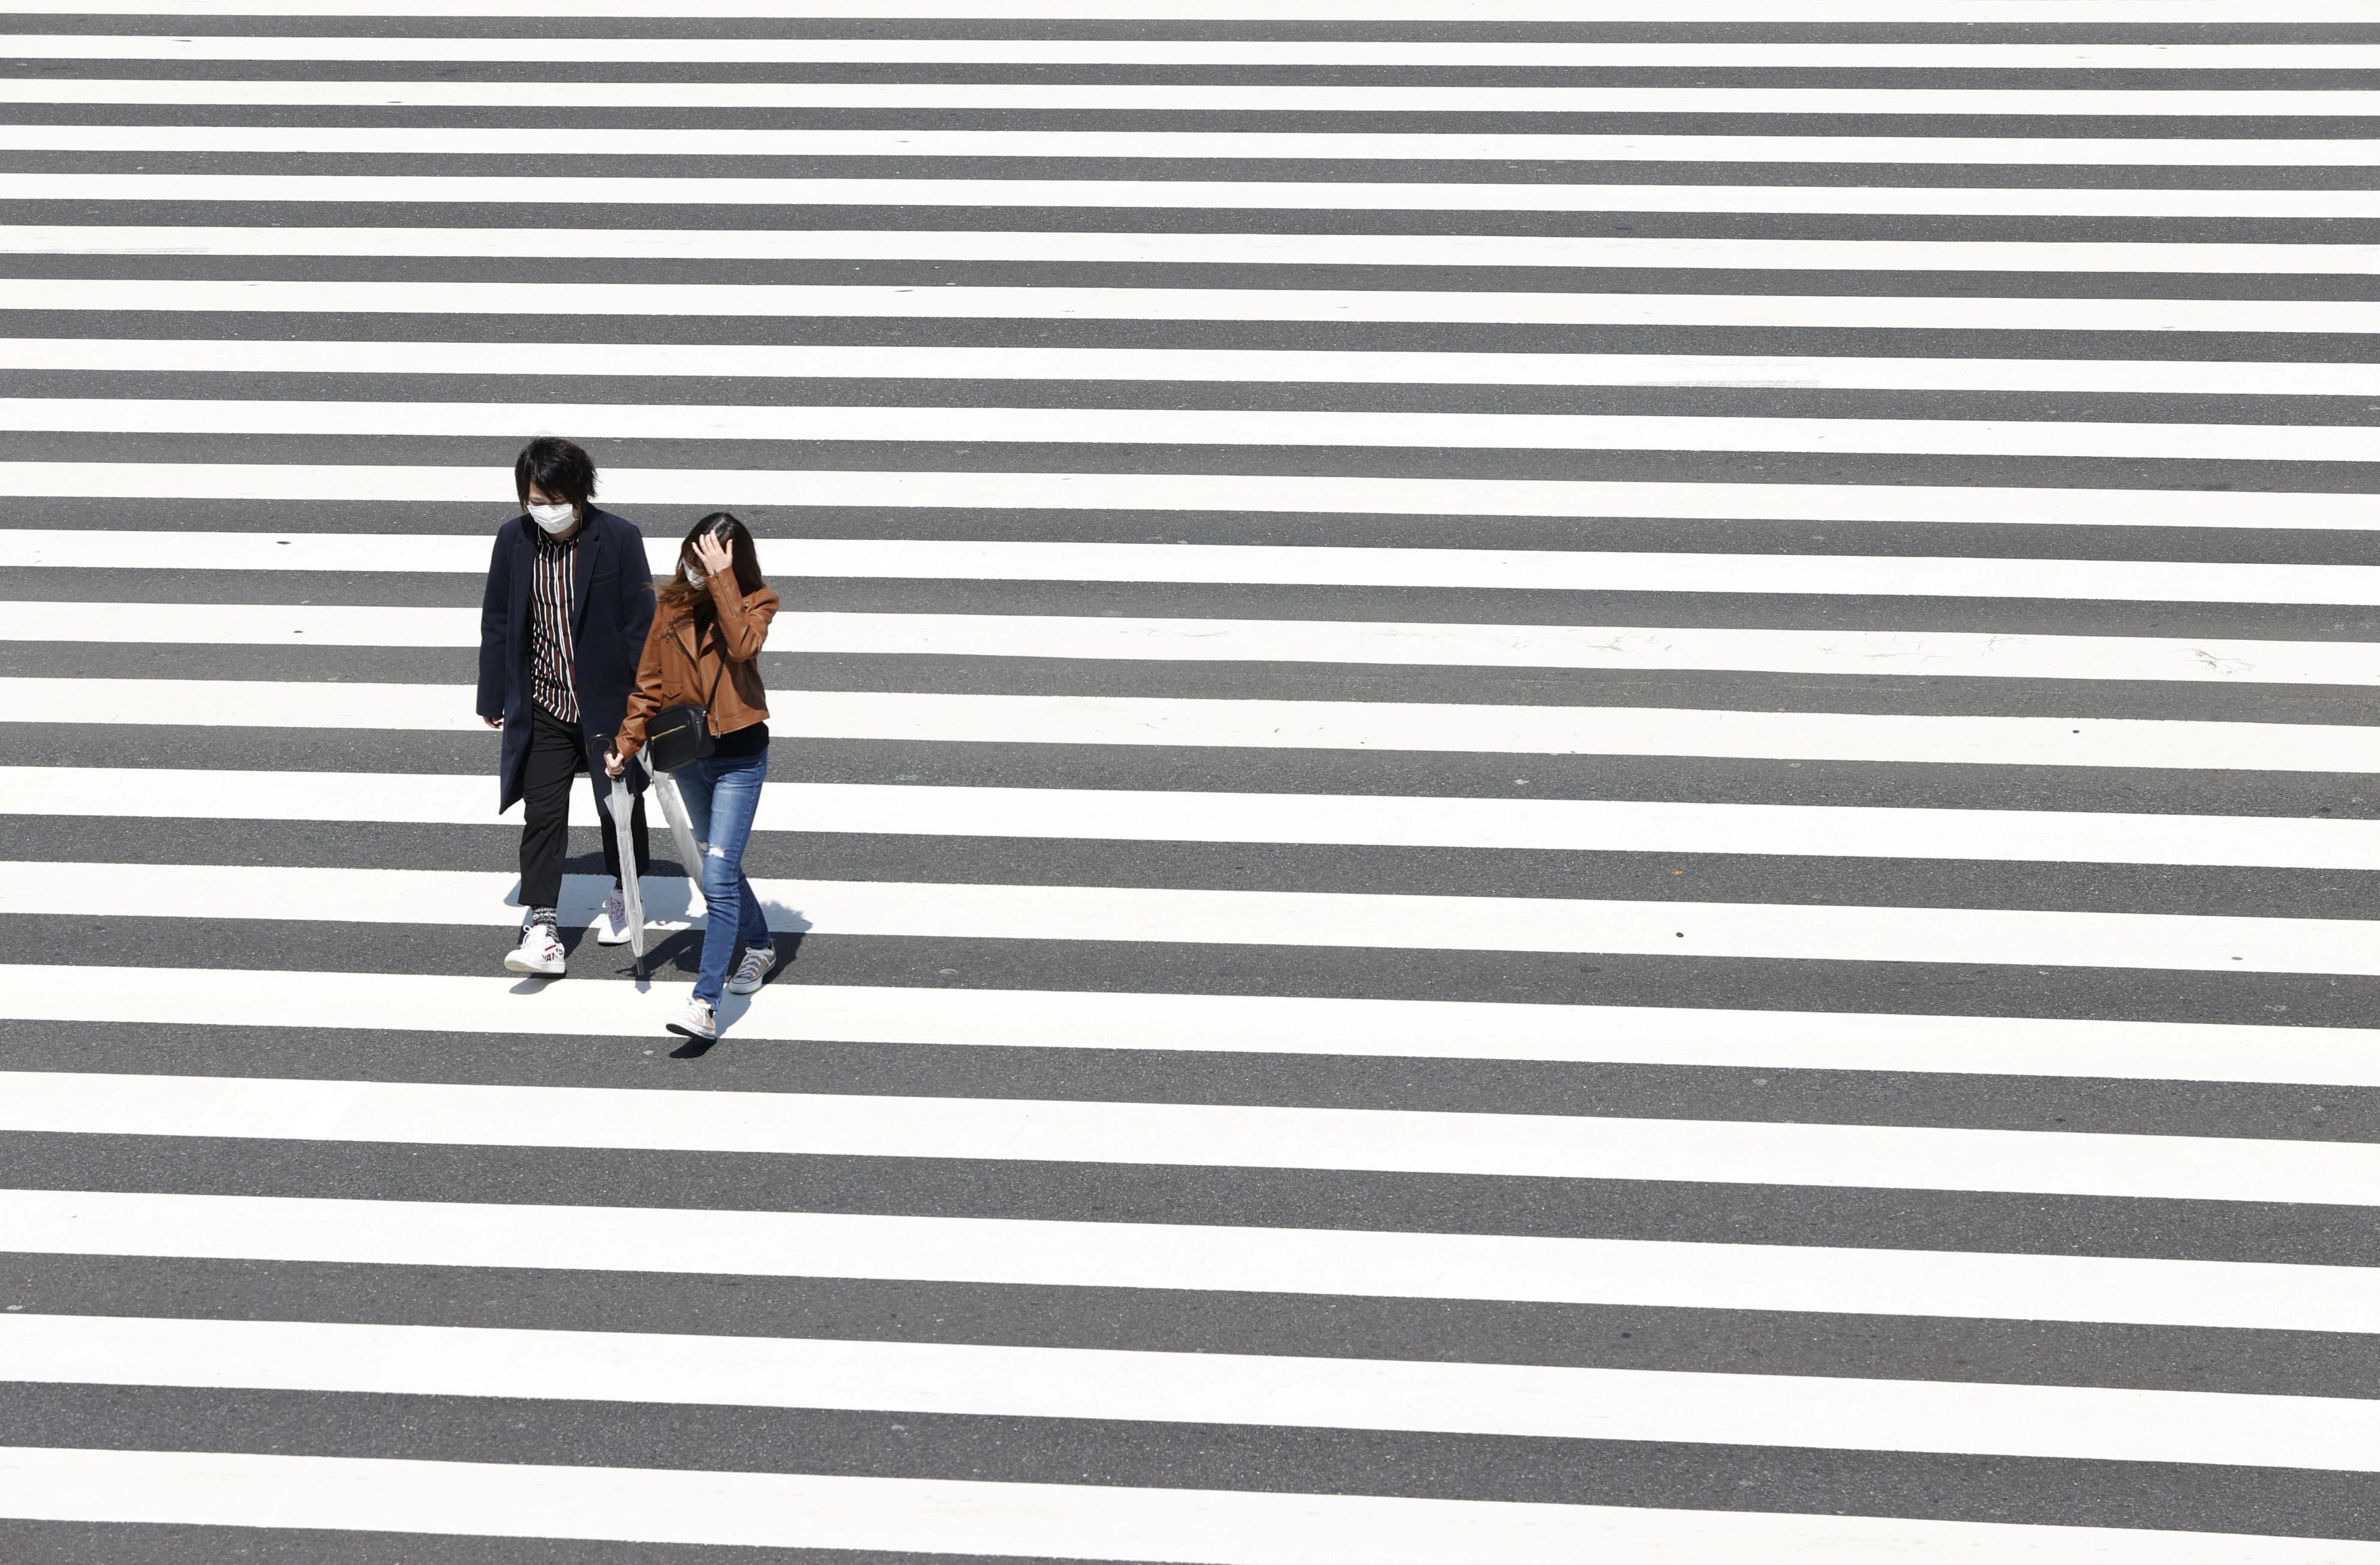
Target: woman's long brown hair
[(679, 594)]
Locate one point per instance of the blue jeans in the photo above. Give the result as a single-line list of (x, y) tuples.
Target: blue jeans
[(722, 795)]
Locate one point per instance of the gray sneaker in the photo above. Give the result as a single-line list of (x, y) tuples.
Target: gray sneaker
[(695, 1022), (753, 971)]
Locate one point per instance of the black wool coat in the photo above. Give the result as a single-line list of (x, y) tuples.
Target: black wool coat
[(611, 606)]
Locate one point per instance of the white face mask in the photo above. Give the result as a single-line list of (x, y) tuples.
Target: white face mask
[(553, 518), (695, 577)]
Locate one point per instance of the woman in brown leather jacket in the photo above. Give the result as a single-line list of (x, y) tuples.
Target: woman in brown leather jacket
[(704, 651)]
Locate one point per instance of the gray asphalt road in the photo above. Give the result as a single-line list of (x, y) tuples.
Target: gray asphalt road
[(1547, 552)]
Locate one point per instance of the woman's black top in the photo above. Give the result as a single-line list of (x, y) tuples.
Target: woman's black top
[(750, 740)]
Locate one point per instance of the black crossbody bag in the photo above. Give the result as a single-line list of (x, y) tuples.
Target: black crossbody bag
[(682, 733)]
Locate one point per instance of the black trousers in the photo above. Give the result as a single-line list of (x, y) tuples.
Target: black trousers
[(557, 754)]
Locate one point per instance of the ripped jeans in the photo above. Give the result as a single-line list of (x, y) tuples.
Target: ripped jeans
[(722, 795)]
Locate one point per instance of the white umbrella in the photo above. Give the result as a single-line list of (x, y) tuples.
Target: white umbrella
[(689, 847), (632, 890)]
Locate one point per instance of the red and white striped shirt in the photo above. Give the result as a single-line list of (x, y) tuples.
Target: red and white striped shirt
[(552, 662)]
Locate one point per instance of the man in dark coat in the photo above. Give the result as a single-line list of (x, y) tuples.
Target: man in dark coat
[(562, 628)]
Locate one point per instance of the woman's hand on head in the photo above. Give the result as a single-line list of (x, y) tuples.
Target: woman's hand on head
[(715, 558)]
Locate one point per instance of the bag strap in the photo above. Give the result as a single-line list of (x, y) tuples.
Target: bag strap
[(694, 648)]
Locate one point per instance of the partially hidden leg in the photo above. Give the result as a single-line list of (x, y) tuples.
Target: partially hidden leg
[(545, 840), (734, 799)]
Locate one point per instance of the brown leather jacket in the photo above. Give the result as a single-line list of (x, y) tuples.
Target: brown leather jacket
[(674, 672)]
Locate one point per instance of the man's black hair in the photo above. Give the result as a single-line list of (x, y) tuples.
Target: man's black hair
[(559, 466)]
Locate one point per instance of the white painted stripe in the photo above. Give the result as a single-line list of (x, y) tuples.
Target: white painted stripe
[(1048, 1521), (243, 703), (1197, 1257), (1203, 426), (895, 361), (101, 548), (1205, 1024), (1415, 726), (1218, 97), (1563, 570), (1197, 1135), (1966, 654), (1952, 504), (357, 625), (1533, 570), (1315, 820), (1367, 725), (1440, 53), (317, 141), (2168, 13), (1263, 195), (1321, 920), (1097, 248), (772, 300), (1932, 653), (1540, 1402)]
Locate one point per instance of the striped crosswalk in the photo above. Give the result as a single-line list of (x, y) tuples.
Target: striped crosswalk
[(1554, 780)]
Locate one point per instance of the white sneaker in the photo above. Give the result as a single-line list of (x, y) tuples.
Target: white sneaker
[(695, 1022), (753, 971), (612, 922), (539, 952)]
